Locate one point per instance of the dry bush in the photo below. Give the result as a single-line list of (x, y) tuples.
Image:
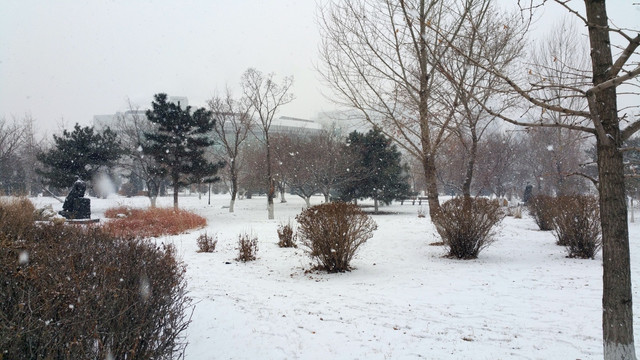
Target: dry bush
[(153, 222), (541, 208), (247, 248), (577, 225), (332, 233), (286, 236), (207, 243), (465, 225), (16, 218), (115, 212), (70, 292)]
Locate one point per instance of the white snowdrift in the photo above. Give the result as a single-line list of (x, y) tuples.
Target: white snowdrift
[(522, 299)]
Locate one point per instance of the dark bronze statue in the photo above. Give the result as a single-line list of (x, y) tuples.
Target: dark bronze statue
[(76, 206)]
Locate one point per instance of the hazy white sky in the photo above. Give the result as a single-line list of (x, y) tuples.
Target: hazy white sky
[(72, 59)]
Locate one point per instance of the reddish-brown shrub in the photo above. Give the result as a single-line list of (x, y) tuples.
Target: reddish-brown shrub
[(247, 248), (465, 225), (333, 232), (206, 243), (118, 211), (286, 236), (70, 292), (576, 225), (152, 222), (542, 209)]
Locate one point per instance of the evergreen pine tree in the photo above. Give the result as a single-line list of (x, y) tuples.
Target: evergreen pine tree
[(179, 143), (80, 153), (381, 174)]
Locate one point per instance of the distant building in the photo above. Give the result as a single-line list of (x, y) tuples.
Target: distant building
[(291, 125), (101, 122), (182, 101), (343, 122)]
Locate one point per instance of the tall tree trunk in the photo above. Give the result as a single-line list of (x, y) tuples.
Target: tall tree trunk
[(428, 154), (466, 186), (234, 187), (432, 186), (617, 316), (176, 188), (271, 191), (282, 189), (152, 191), (617, 311)]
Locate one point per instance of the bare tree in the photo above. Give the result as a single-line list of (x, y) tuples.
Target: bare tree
[(469, 84), (29, 148), (560, 59), (383, 58), (233, 125), (335, 167), (11, 136), (296, 155), (601, 119), (497, 170), (451, 162), (11, 139), (252, 174), (131, 127), (551, 157), (265, 97)]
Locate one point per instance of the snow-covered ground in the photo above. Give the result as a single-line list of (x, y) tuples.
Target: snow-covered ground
[(522, 299)]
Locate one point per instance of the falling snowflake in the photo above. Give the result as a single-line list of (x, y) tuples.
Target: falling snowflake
[(23, 258)]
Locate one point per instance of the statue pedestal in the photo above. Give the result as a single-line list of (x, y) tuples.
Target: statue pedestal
[(82, 208)]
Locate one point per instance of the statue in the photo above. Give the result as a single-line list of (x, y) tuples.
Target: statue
[(76, 206), (528, 191)]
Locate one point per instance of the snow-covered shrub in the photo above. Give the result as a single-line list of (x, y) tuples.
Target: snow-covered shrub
[(331, 233), (45, 213), (576, 225), (517, 212), (541, 208), (207, 243), (247, 248), (466, 224), (286, 236), (70, 292)]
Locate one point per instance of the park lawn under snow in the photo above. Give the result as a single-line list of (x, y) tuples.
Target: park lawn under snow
[(521, 299)]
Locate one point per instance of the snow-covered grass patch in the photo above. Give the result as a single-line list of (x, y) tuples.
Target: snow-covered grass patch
[(521, 299)]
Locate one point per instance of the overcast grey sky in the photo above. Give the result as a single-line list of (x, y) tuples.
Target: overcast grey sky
[(73, 59)]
